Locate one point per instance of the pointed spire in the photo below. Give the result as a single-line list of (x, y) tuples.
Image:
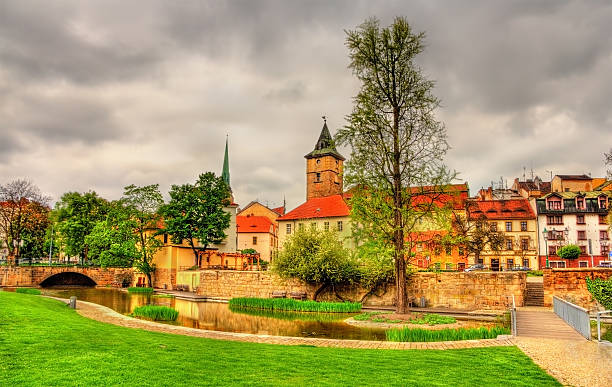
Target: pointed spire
[(225, 174), (325, 144)]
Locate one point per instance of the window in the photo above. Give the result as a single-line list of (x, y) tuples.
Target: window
[(508, 244), (326, 226), (461, 266), (254, 240), (580, 203), (480, 260), (603, 235), (510, 263), (318, 161), (603, 219), (552, 250), (493, 226), (605, 249), (603, 202), (449, 266), (288, 228), (339, 225), (448, 250), (165, 238), (523, 226), (557, 264), (524, 244), (583, 264), (300, 226), (508, 226), (554, 220), (318, 178), (580, 219), (313, 226), (582, 249), (554, 204), (461, 251), (581, 235), (525, 262)]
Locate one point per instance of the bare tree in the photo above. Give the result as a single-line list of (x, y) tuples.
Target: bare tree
[(16, 198), (608, 161)]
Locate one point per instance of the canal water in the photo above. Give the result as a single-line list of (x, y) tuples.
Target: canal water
[(219, 317)]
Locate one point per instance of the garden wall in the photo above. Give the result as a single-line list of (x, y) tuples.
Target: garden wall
[(570, 284), (454, 290)]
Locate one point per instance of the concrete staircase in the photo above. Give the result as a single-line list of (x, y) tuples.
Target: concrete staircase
[(535, 294)]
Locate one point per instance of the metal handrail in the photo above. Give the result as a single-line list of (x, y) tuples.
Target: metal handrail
[(513, 316), (599, 323), (574, 315)]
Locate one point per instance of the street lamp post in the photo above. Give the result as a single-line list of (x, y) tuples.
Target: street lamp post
[(545, 235)]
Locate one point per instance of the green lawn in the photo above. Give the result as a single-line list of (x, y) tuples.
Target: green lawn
[(42, 342)]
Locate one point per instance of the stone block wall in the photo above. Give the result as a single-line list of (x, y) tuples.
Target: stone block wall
[(449, 290), (164, 278), (34, 275), (570, 285)]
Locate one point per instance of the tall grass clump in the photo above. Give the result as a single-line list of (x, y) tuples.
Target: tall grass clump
[(27, 291), (140, 290), (422, 335), (156, 313), (288, 304)]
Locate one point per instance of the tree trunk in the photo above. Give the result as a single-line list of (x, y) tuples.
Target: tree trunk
[(149, 280), (398, 234), (319, 291), (195, 252)]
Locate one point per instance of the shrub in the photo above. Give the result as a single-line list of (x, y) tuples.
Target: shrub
[(140, 290), (423, 335), (288, 304), (601, 290), (156, 313), (27, 291), (535, 273), (569, 252)]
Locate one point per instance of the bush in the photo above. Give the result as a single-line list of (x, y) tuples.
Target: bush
[(601, 291), (156, 313), (288, 304), (569, 252), (423, 335), (140, 290), (27, 291), (535, 273)]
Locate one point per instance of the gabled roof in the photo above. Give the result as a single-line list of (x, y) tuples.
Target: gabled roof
[(605, 186), (324, 207), (325, 146), (572, 195), (254, 224), (574, 177), (500, 209), (279, 210)]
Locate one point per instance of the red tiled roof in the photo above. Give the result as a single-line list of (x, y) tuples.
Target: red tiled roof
[(254, 224), (279, 210), (455, 194), (325, 207), (500, 209)]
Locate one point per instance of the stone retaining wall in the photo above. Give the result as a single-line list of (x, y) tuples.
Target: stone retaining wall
[(455, 290), (34, 275), (570, 284)]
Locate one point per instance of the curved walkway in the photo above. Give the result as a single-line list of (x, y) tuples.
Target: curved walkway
[(107, 315)]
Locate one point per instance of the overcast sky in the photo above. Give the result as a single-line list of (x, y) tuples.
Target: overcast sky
[(97, 95)]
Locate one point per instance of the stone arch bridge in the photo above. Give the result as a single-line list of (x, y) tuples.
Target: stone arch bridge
[(45, 276)]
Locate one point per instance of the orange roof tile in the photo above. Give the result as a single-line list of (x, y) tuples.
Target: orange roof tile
[(500, 209), (325, 207), (279, 210), (254, 224)]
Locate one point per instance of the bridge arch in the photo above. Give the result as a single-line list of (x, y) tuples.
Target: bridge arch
[(67, 278)]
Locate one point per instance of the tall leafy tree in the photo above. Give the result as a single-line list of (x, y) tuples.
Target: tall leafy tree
[(475, 235), (196, 214), (37, 222), (143, 204), (397, 143), (76, 215), (21, 203)]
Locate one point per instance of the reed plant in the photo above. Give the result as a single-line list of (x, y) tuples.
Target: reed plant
[(292, 316), (140, 290), (27, 291), (288, 304), (156, 313), (423, 335)]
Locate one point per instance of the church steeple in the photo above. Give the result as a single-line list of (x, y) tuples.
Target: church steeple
[(325, 145), (225, 174), (324, 167)]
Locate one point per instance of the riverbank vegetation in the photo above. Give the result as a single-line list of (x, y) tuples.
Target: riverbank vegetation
[(288, 304), (88, 354), (140, 290), (426, 335), (156, 313), (27, 291)]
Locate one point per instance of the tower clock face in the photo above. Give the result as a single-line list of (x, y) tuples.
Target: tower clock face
[(318, 161)]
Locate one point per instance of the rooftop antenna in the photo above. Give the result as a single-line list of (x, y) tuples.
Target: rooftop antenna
[(524, 170), (550, 174)]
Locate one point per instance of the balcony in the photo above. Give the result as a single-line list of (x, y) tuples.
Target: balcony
[(570, 208)]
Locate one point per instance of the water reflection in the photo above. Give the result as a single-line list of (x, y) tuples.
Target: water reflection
[(219, 317)]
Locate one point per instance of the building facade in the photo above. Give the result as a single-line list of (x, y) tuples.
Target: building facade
[(258, 233)]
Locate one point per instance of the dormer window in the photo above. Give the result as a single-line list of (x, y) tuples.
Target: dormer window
[(580, 203), (603, 202), (554, 203)]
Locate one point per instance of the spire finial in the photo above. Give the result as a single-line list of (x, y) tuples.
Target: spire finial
[(324, 119)]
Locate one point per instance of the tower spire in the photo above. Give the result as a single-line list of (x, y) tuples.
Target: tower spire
[(225, 174)]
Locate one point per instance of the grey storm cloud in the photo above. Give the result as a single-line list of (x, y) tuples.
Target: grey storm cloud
[(102, 94)]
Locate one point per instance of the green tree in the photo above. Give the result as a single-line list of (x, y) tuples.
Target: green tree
[(196, 212), (318, 258), (397, 144), (569, 252), (376, 269), (76, 215), (36, 221), (474, 234), (143, 204)]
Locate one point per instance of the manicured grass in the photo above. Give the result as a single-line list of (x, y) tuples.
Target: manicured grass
[(288, 304), (140, 290), (43, 342), (27, 291), (156, 313), (420, 335)]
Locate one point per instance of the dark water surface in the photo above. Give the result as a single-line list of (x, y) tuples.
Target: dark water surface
[(219, 317)]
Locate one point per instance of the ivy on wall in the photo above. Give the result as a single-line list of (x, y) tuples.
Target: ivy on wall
[(601, 291)]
